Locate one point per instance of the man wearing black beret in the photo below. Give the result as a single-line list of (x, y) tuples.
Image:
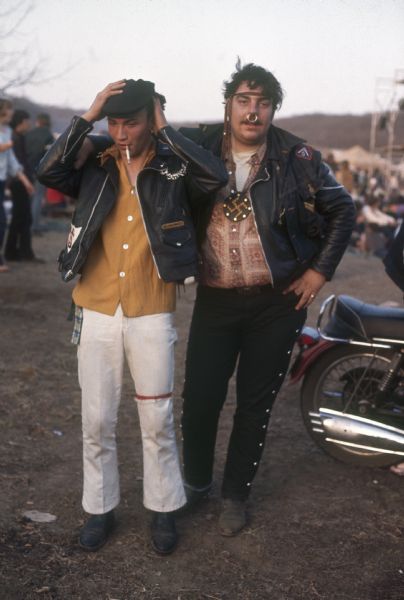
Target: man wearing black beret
[(131, 240)]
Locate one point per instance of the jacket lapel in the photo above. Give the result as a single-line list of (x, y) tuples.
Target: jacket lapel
[(110, 167)]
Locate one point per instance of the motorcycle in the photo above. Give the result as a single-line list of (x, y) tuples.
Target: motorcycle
[(352, 394)]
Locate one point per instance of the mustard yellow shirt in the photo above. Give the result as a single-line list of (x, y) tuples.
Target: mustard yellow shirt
[(120, 266)]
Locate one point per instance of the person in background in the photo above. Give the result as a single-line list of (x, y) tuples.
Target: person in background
[(18, 244), (379, 226), (9, 167), (345, 176), (38, 141), (332, 163)]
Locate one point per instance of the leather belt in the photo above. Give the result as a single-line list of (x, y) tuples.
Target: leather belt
[(252, 290)]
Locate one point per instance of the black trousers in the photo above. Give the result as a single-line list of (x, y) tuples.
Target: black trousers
[(18, 244), (259, 330)]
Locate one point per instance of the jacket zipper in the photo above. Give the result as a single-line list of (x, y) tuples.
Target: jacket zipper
[(256, 226), (73, 127), (71, 271)]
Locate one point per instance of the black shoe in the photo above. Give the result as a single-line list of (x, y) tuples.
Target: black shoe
[(12, 256), (95, 532), (163, 532)]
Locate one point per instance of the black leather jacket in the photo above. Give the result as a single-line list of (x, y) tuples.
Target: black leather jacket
[(394, 260), (304, 217), (179, 170)]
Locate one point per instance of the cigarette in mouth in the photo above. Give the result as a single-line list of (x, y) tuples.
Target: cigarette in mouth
[(127, 154)]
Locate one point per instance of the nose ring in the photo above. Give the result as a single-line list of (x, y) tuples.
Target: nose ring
[(252, 117)]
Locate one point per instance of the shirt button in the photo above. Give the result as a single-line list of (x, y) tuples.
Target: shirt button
[(234, 230), (125, 246), (130, 218), (122, 274)]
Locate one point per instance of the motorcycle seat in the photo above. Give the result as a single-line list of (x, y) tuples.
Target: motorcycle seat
[(354, 319)]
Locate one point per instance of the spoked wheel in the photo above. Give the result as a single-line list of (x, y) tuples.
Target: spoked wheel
[(346, 379)]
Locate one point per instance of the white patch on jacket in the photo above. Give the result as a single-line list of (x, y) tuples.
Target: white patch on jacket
[(72, 237)]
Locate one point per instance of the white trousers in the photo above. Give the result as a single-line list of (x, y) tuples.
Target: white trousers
[(148, 344)]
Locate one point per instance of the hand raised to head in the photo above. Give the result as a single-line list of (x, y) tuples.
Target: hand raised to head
[(94, 113)]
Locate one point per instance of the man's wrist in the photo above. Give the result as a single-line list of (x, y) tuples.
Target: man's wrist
[(88, 117)]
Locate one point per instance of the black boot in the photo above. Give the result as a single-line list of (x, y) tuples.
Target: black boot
[(95, 532), (163, 532)]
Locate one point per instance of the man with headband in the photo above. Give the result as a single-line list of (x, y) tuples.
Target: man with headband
[(132, 240), (268, 243)]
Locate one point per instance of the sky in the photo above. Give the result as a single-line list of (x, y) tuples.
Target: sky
[(327, 54)]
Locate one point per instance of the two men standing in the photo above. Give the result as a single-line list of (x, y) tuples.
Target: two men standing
[(271, 227)]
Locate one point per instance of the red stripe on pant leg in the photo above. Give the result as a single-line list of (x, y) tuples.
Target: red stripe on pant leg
[(139, 397)]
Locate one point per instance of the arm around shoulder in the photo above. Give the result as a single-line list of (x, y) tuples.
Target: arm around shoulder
[(206, 170)]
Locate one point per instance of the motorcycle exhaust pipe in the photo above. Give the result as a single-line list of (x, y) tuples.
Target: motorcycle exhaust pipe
[(345, 429)]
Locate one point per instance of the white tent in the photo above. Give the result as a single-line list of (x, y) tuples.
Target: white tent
[(360, 158)]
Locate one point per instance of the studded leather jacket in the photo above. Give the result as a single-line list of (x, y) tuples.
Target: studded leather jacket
[(179, 170), (304, 217)]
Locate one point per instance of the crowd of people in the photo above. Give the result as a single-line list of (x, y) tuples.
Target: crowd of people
[(21, 149), (379, 205)]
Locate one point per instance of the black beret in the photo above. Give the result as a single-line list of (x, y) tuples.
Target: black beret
[(135, 96)]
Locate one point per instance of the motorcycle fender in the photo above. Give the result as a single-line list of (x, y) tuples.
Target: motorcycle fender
[(306, 358)]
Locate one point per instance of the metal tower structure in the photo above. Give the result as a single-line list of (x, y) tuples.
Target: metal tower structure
[(388, 93)]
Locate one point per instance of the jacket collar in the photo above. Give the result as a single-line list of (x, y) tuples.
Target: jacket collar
[(109, 156), (279, 142), (163, 152)]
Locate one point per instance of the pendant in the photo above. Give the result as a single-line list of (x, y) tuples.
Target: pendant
[(237, 207)]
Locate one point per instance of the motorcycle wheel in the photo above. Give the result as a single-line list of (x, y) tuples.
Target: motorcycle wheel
[(328, 385)]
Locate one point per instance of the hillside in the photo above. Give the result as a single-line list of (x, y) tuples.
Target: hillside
[(321, 130)]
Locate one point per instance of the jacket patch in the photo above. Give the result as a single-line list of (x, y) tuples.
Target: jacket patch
[(72, 237), (173, 225), (305, 152), (172, 176)]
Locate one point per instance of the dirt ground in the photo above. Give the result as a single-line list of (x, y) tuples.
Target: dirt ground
[(318, 529)]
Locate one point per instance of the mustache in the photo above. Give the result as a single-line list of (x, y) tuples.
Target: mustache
[(247, 122)]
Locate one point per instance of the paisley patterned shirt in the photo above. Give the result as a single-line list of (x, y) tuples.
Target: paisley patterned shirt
[(232, 254)]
